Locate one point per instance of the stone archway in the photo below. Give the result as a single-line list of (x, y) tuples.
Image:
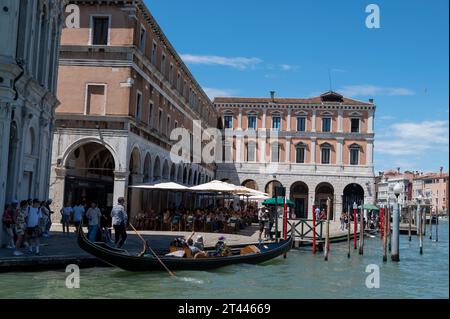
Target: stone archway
[(250, 183), (270, 187), (353, 193), (299, 194), (89, 175), (324, 191)]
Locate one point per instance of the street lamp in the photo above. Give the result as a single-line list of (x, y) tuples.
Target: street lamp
[(398, 188)]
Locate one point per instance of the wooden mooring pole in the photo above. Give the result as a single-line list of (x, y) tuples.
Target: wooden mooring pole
[(348, 231), (437, 225), (410, 217), (431, 223), (385, 222), (389, 228), (361, 229), (327, 238)]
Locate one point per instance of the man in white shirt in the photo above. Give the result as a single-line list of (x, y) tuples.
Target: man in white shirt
[(33, 216), (119, 221), (65, 217), (93, 214)]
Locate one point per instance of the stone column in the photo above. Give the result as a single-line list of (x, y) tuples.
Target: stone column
[(240, 119), (339, 150), (313, 150), (4, 149), (311, 199), (262, 145), (370, 122), (340, 128), (264, 119), (57, 191), (288, 150), (369, 152), (313, 120), (239, 143), (288, 124), (120, 185)]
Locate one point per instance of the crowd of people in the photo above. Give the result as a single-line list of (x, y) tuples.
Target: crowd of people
[(25, 222), (220, 219)]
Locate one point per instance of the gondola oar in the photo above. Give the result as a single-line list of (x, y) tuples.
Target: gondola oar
[(147, 246)]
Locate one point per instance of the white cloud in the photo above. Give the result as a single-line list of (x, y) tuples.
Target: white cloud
[(386, 117), (414, 138), (372, 90), (288, 67), (214, 92), (240, 63)]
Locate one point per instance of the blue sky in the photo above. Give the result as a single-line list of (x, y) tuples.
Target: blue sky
[(250, 47)]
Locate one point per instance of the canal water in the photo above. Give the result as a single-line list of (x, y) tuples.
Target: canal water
[(301, 275)]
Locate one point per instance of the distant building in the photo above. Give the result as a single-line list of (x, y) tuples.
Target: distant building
[(385, 188), (29, 47), (123, 89), (432, 187), (317, 148)]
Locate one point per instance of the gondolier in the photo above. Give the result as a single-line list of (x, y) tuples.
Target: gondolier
[(119, 221)]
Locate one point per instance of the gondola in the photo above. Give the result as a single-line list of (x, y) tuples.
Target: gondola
[(148, 262)]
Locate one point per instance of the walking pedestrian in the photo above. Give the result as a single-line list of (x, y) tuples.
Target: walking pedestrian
[(45, 219), (317, 211), (119, 222), (66, 211), (49, 221), (93, 215), (21, 226), (33, 217), (8, 223), (78, 212), (342, 220)]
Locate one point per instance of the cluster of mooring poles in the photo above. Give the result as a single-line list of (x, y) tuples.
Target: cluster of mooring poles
[(389, 225)]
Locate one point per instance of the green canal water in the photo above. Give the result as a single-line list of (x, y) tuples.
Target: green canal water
[(301, 275)]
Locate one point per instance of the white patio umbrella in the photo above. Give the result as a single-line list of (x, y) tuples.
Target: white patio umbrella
[(242, 190), (258, 197), (170, 186), (215, 187)]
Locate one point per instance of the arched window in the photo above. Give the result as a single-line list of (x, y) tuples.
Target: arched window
[(252, 120), (276, 121), (228, 119), (300, 152), (354, 154), (30, 142), (325, 153)]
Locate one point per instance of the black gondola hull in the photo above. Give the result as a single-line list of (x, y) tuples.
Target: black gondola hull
[(121, 260)]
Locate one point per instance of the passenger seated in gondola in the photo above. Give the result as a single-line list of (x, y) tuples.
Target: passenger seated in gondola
[(194, 249), (199, 243), (222, 248)]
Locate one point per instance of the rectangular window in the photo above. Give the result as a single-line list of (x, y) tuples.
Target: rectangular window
[(252, 122), (138, 106), (326, 124), (160, 123), (354, 156), (154, 52), (150, 114), (275, 153), (142, 38), (185, 89), (100, 32), (251, 152), (355, 125), (276, 123), (95, 99), (325, 155), (228, 121), (179, 82), (300, 155), (301, 124), (163, 65), (168, 128), (171, 73)]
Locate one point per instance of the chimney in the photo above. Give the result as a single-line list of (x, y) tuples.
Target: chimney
[(440, 170), (371, 101), (398, 170), (272, 95)]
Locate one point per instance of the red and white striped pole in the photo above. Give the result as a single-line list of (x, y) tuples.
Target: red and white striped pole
[(354, 225), (314, 228), (285, 219)]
